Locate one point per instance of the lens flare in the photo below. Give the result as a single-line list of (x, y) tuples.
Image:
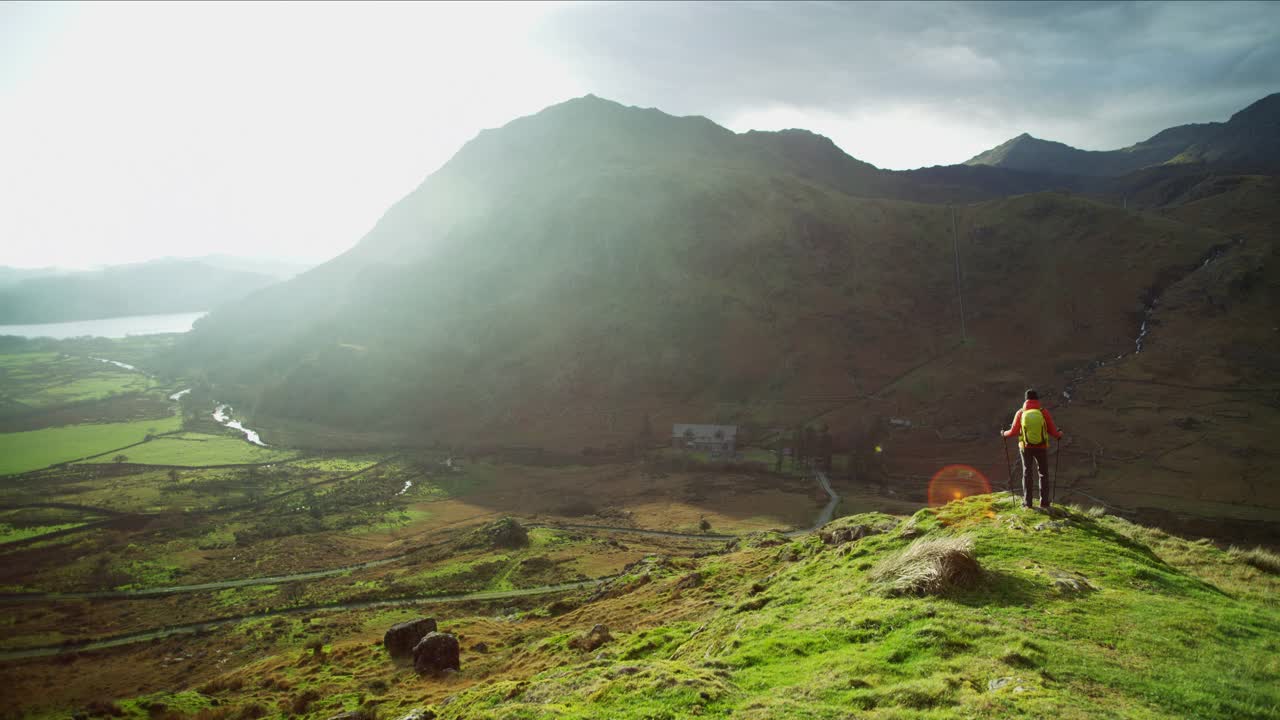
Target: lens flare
[(956, 481)]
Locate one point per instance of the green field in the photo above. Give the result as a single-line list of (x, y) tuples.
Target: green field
[(47, 379), (198, 449), (23, 451)]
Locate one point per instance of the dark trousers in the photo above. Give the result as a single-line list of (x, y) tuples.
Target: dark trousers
[(1040, 458)]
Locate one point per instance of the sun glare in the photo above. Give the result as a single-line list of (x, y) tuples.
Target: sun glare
[(954, 482)]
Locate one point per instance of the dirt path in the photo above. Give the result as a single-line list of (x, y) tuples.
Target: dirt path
[(824, 517)]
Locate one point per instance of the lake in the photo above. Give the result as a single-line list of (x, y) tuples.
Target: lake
[(116, 327)]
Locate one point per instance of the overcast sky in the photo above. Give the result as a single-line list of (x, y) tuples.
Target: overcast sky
[(134, 131)]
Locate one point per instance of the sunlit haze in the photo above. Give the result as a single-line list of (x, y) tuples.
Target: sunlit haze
[(135, 131)]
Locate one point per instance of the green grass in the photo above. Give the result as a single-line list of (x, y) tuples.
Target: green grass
[(343, 464), (32, 450), (46, 379), (9, 533), (393, 521), (101, 385), (197, 449), (1153, 638)]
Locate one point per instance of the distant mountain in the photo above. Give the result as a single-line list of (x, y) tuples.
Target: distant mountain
[(1248, 142), (279, 269), (157, 287), (11, 275)]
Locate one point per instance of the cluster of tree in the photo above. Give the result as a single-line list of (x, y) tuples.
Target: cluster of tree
[(810, 448)]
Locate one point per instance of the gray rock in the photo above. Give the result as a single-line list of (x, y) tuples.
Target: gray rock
[(403, 637), (597, 636), (842, 535), (997, 683), (436, 653), (1070, 583), (419, 714)]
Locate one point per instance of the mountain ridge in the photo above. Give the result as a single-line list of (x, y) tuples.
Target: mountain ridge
[(150, 288), (1248, 142)]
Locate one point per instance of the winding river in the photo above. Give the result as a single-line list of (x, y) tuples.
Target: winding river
[(222, 415)]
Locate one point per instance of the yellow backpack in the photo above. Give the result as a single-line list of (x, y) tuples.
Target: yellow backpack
[(1033, 430)]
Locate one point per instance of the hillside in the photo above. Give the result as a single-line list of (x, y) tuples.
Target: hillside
[(1248, 142), (480, 302), (576, 274), (152, 288), (976, 609)]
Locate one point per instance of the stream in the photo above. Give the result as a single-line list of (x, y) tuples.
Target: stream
[(1144, 329), (222, 415), (118, 364)]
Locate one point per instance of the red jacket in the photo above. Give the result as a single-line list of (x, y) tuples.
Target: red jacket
[(1016, 428)]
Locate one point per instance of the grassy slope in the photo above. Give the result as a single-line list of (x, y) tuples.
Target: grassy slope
[(23, 451), (1174, 629)]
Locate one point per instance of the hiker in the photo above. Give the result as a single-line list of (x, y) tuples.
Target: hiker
[(1033, 425)]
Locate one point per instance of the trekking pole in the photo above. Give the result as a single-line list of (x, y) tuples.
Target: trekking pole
[(1057, 463), (1008, 466)]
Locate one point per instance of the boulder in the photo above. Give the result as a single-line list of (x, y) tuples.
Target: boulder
[(401, 639), (504, 532), (436, 653), (419, 714), (1069, 583), (597, 636), (842, 535)]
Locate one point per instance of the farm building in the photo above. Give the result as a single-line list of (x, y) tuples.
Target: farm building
[(715, 438)]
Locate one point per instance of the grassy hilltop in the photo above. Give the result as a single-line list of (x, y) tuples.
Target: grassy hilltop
[(1080, 616)]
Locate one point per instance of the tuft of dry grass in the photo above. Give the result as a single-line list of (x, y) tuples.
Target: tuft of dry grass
[(1259, 557), (929, 566)]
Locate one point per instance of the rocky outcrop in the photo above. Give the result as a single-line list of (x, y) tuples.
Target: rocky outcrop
[(848, 529), (597, 636), (436, 653), (501, 533), (401, 639)]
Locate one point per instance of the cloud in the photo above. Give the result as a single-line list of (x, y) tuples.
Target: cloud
[(1097, 75)]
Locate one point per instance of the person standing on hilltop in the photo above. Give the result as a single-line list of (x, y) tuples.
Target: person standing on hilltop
[(1033, 425)]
